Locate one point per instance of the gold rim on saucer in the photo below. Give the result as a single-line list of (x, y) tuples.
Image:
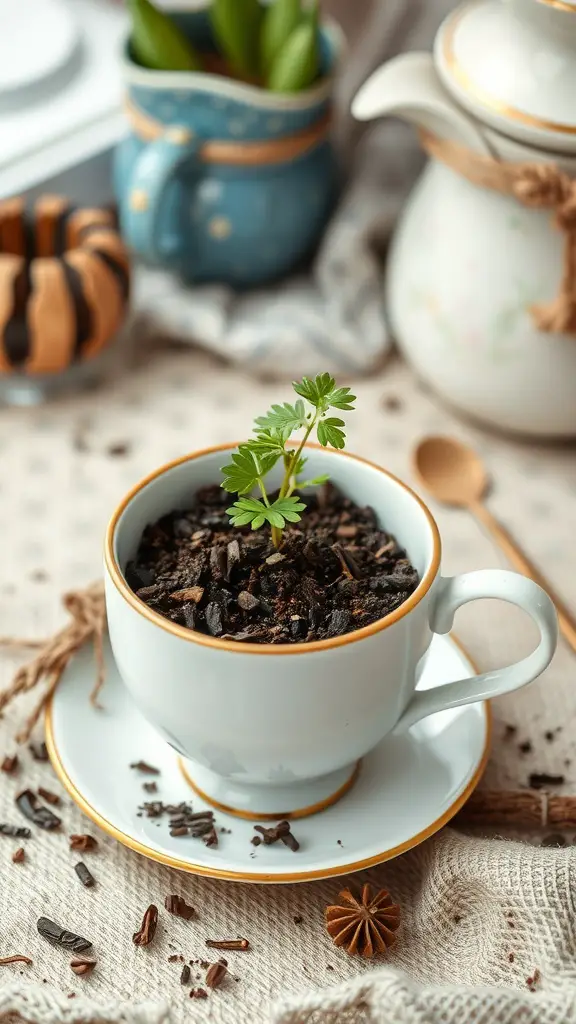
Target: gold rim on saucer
[(241, 876)]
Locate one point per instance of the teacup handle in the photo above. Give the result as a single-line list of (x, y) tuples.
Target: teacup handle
[(452, 593), (154, 169)]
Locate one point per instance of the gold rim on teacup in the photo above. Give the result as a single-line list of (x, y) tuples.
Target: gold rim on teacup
[(117, 576)]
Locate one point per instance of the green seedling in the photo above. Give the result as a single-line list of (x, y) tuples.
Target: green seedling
[(255, 458)]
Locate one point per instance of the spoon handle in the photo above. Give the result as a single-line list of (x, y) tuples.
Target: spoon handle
[(522, 563)]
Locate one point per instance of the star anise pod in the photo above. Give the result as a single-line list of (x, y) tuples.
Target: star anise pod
[(365, 926)]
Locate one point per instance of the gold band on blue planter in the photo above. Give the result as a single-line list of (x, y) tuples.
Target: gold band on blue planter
[(238, 154)]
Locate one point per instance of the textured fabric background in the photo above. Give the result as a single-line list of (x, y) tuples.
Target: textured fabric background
[(63, 468)]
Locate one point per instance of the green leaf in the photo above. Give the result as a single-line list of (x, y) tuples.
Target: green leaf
[(255, 512), (240, 518), (247, 510), (288, 509), (275, 519), (248, 504), (323, 393), (157, 42), (267, 443), (315, 482), (287, 504), (330, 432), (341, 398), (279, 21), (236, 28), (285, 418), (241, 475), (315, 391), (263, 462)]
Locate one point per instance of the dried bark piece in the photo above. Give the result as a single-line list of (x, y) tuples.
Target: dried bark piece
[(275, 558), (83, 842), (9, 764), (347, 531), (147, 769), (364, 926), (540, 780), (194, 594), (43, 817), (555, 840), (233, 557), (247, 601), (147, 931), (349, 565), (59, 936), (49, 796), (218, 562), (82, 965), (15, 831), (39, 751), (85, 876), (177, 905), (210, 838), (214, 620), (228, 943), (215, 974), (281, 832)]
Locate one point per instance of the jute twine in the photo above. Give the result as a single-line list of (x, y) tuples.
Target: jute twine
[(88, 622), (540, 186)]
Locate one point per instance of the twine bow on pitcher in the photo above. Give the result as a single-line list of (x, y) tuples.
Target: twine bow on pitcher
[(544, 186), (538, 186)]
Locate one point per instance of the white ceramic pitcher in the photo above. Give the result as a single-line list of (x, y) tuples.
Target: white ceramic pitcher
[(467, 263)]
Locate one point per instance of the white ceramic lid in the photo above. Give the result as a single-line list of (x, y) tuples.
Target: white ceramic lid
[(512, 63)]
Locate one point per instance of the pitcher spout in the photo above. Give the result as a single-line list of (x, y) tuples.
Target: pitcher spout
[(408, 87)]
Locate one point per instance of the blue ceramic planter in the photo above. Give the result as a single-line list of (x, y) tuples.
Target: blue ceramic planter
[(220, 180)]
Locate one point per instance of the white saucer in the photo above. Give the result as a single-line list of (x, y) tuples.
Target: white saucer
[(408, 786)]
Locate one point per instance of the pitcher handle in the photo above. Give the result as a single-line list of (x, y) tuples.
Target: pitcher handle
[(154, 169), (455, 591)]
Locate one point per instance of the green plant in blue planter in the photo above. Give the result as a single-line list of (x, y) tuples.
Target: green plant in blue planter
[(228, 173), (276, 46), (157, 42)]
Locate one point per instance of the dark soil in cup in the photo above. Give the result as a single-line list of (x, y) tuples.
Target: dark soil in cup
[(336, 572)]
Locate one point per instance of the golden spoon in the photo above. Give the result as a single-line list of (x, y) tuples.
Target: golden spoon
[(455, 475)]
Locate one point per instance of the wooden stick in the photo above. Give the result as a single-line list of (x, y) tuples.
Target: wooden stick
[(523, 808)]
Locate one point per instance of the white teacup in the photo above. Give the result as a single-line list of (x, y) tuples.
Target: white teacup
[(270, 730)]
